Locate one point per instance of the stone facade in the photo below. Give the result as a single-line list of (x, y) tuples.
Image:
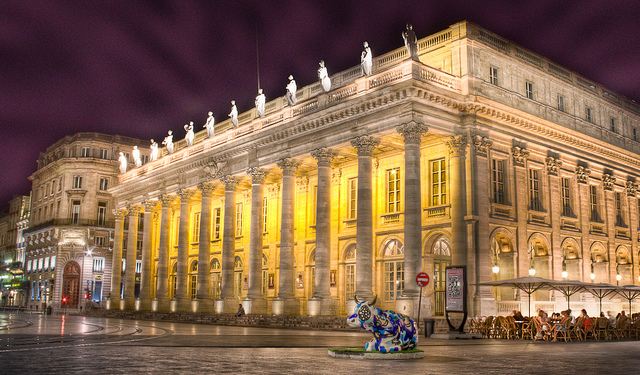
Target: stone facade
[(12, 251), (70, 237), (480, 154)]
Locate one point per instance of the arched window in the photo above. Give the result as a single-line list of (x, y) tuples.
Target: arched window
[(215, 278), (350, 271), (393, 253)]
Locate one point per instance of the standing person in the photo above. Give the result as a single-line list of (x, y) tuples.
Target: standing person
[(366, 60), (209, 125), (234, 114), (291, 91), (411, 42)]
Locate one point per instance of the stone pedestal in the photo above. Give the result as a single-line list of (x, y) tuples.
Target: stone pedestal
[(408, 306), (145, 304), (226, 306), (129, 303), (256, 306), (322, 307), (183, 305), (113, 304), (162, 305), (285, 306), (204, 306)]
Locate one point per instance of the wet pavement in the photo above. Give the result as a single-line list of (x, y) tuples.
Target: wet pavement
[(73, 344)]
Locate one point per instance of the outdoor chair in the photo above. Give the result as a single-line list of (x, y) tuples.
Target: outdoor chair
[(565, 331), (486, 328), (622, 328), (510, 328), (635, 329), (498, 330), (529, 329), (579, 331), (601, 327)]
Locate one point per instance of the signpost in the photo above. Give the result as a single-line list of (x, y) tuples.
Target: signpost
[(456, 294), (422, 279)]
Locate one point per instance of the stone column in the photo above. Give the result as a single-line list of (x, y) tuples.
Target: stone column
[(162, 293), (255, 303), (412, 133), (146, 276), (205, 304), (322, 303), (227, 303), (364, 213), (182, 282), (286, 303), (132, 250), (458, 151), (116, 263)]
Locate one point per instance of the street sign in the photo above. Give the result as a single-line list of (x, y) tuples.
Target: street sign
[(422, 279)]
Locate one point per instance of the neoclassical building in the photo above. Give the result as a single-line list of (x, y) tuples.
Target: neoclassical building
[(481, 153), (69, 240)]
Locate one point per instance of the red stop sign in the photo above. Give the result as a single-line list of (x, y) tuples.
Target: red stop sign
[(422, 279)]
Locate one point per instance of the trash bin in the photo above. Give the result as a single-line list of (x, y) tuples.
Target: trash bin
[(428, 327)]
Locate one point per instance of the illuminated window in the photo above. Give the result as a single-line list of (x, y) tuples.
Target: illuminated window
[(264, 215), (215, 278), (216, 223), (528, 86), (238, 219), (393, 190), (196, 227), (237, 277), (265, 275), (352, 200), (98, 264), (493, 74), (393, 270), (102, 213), (438, 182), (193, 280)]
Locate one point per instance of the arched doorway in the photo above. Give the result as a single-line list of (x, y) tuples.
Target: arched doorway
[(71, 284), (624, 270), (599, 264), (393, 256), (441, 260), (503, 265)]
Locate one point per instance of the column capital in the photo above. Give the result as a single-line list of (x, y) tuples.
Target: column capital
[(457, 145), (185, 195), (412, 131), (288, 166), (134, 210), (608, 181), (167, 200), (257, 175), (482, 144), (302, 182), (520, 155), (149, 205), (365, 145), (632, 188), (324, 156), (230, 182), (120, 213), (552, 165), (207, 188), (582, 174)]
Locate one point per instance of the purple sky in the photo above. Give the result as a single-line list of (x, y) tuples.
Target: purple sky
[(139, 68)]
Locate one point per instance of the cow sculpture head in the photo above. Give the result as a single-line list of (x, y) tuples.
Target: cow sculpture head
[(364, 315)]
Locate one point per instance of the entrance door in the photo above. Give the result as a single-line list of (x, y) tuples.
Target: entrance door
[(71, 284), (439, 266)]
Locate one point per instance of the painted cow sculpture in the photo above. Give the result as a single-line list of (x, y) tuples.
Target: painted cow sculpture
[(392, 331)]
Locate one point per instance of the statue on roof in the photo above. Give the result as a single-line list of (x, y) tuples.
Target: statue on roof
[(411, 42), (291, 91), (260, 102), (136, 156), (209, 125), (168, 141), (123, 163), (234, 114), (189, 136), (324, 77), (154, 151), (366, 60)]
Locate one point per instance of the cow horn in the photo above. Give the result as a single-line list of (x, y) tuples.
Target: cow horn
[(375, 298), (355, 297)]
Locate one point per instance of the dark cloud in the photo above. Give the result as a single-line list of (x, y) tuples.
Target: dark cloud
[(139, 68)]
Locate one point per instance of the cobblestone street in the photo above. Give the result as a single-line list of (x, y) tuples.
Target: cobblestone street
[(72, 344)]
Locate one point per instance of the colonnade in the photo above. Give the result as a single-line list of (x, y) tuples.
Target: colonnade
[(321, 303)]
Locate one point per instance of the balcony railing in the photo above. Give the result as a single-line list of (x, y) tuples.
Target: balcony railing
[(70, 221)]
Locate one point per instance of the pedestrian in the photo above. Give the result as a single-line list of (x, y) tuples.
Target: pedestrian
[(240, 310)]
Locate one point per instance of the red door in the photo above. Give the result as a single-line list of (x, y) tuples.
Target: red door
[(71, 284)]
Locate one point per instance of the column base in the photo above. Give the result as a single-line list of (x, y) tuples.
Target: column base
[(226, 306), (113, 304), (129, 303), (285, 306), (204, 306), (322, 306), (408, 306), (351, 306), (162, 305), (183, 305), (256, 306), (144, 304)]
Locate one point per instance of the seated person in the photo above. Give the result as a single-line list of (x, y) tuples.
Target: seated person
[(542, 323), (587, 322), (517, 315), (240, 311), (558, 327)]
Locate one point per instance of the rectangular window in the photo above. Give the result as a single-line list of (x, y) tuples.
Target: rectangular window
[(53, 263), (104, 153), (618, 203), (139, 245), (29, 266), (46, 263), (140, 222), (53, 186), (100, 241), (393, 280), (393, 190), (46, 190), (528, 86), (60, 185), (77, 182), (145, 159), (265, 282), (534, 190), (566, 198), (98, 264), (264, 215), (593, 202), (138, 266), (588, 114), (352, 185), (216, 223), (438, 182), (238, 219), (84, 152), (497, 173), (40, 262), (102, 213), (75, 212), (104, 183), (350, 279), (194, 287), (493, 74), (613, 125), (196, 227), (560, 103)]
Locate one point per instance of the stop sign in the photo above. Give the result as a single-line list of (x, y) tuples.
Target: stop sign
[(422, 279)]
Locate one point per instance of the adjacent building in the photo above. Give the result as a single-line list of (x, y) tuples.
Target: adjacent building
[(70, 235), (12, 248)]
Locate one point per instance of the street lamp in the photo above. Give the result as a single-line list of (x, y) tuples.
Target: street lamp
[(532, 271)]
